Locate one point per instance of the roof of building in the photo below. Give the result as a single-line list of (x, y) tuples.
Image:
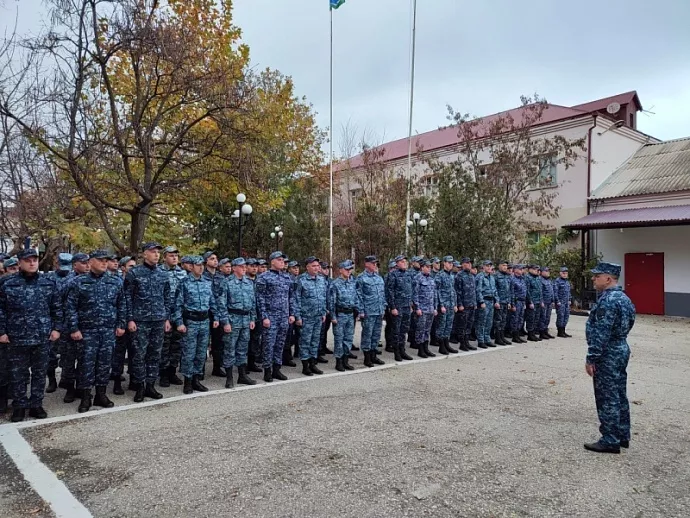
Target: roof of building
[(653, 169), (448, 136), (641, 217)]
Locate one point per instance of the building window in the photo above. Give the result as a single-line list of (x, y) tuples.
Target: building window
[(429, 186), (632, 121), (547, 173), (535, 237), (355, 195)]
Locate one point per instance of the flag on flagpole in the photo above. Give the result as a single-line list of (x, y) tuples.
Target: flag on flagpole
[(336, 3)]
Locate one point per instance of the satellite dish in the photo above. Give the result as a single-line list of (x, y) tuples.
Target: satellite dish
[(613, 108)]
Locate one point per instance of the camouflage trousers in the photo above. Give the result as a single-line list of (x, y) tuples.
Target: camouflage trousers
[(463, 322), (323, 338), (444, 322), (68, 358), (4, 373), (123, 345), (310, 337), (400, 325), (27, 365), (236, 342), (610, 394), (533, 318), (273, 339), (562, 314), (501, 317), (148, 342), (485, 320), (194, 347), (371, 332), (171, 351), (517, 317), (423, 329), (255, 350), (95, 357), (545, 319), (343, 333)]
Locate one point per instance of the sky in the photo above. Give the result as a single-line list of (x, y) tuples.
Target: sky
[(477, 56)]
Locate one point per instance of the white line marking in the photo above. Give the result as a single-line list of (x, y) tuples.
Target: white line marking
[(48, 486), (182, 397)]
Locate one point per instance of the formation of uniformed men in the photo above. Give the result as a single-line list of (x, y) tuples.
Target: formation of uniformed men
[(93, 312)]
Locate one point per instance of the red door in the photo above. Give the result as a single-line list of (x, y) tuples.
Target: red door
[(644, 282)]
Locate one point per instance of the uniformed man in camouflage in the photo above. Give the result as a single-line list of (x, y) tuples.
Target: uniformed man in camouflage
[(610, 321), (323, 349), (261, 266), (548, 301), (112, 266), (254, 354), (276, 313), (424, 302), (292, 337), (487, 302), (388, 332), (533, 303), (561, 288), (240, 302), (310, 293), (342, 304), (147, 291), (185, 263), (11, 265), (447, 305), (61, 274), (504, 290), (123, 344), (30, 317), (216, 277), (412, 271), (95, 314), (225, 267), (170, 353), (371, 297), (466, 296), (517, 318), (194, 304), (399, 301)]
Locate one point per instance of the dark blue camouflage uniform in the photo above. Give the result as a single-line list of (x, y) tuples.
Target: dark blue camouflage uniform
[(240, 300), (562, 294), (610, 321), (274, 302), (342, 303), (466, 293), (310, 295), (372, 305), (534, 294), (487, 295), (30, 308), (447, 299), (61, 278), (171, 350), (548, 300), (96, 307), (399, 297), (517, 320), (504, 289), (424, 299)]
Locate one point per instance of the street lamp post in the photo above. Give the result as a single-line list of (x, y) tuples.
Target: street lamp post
[(242, 214), (418, 224), (278, 236)]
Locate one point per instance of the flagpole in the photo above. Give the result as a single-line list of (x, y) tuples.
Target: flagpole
[(409, 134), (330, 153)]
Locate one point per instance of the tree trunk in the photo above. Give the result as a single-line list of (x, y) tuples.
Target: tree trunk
[(140, 219)]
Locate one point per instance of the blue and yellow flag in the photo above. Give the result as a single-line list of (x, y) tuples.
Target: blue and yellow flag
[(336, 3)]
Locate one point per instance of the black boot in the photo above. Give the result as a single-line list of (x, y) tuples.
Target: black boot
[(403, 354), (375, 360), (164, 380), (101, 399), (18, 415), (559, 334), (506, 340), (197, 386), (517, 339), (187, 389), (253, 367), (172, 377), (63, 383), (532, 337), (71, 393), (426, 349), (469, 346), (413, 345), (421, 352), (277, 375), (542, 335), (396, 354), (85, 404), (355, 348), (566, 335), (482, 345), (352, 356), (38, 412), (454, 339), (346, 364), (448, 347), (321, 359), (218, 371), (464, 346), (305, 368), (3, 400), (243, 378), (490, 344), (229, 381), (313, 367), (389, 348), (442, 348), (367, 359), (339, 365), (267, 375), (139, 396), (52, 382), (117, 387), (523, 332), (132, 386), (548, 335), (150, 391)]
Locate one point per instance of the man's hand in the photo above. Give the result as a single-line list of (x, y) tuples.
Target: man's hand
[(215, 324), (54, 335), (497, 305), (461, 308), (76, 336), (299, 322), (443, 310), (266, 323), (252, 325), (168, 327), (4, 339), (323, 319), (558, 304), (394, 312), (482, 305), (531, 306), (132, 327), (513, 309), (590, 369), (227, 328), (361, 316), (419, 312), (542, 305), (436, 313), (291, 320), (119, 332), (182, 329), (334, 321)]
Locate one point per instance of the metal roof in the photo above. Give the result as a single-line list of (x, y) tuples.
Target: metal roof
[(642, 217), (653, 169)]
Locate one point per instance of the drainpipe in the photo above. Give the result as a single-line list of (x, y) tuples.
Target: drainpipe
[(585, 248)]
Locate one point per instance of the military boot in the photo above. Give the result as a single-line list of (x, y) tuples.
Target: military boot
[(101, 399), (542, 335), (403, 354), (421, 352), (172, 377), (339, 365), (454, 339), (243, 378), (490, 344), (18, 415), (139, 395), (52, 382), (346, 364), (566, 335), (277, 375), (469, 346), (229, 380), (506, 339), (253, 367), (482, 345), (218, 371), (427, 351), (532, 337), (85, 404), (187, 389), (71, 393), (442, 348), (464, 345), (352, 356), (548, 335), (132, 386), (164, 380), (449, 348), (312, 366), (517, 339), (151, 392), (375, 360), (561, 332), (305, 368), (117, 387), (367, 359), (389, 348), (38, 413), (3, 400), (396, 354), (197, 386), (268, 378), (321, 359)]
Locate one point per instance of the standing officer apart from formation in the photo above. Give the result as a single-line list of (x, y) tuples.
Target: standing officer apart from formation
[(561, 288), (610, 321)]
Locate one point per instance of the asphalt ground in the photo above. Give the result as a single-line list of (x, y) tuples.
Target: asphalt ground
[(498, 433)]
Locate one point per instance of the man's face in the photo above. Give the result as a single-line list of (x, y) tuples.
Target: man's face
[(239, 271), (437, 267), (467, 266), (517, 271), (503, 267), (152, 256), (187, 267), (564, 275), (326, 271), (294, 270), (346, 272), (252, 269), (212, 261), (487, 268), (28, 265), (129, 265), (602, 281), (12, 269), (172, 258), (447, 266), (546, 274), (313, 268), (226, 268), (198, 269), (262, 268), (426, 269), (278, 263), (370, 267), (402, 264), (80, 267), (98, 266), (111, 265)]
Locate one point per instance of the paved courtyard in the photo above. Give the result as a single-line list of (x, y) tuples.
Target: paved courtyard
[(495, 433)]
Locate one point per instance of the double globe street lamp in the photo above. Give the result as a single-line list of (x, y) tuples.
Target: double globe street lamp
[(418, 225), (242, 214), (278, 236)]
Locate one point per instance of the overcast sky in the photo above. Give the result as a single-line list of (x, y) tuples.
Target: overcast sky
[(478, 56)]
